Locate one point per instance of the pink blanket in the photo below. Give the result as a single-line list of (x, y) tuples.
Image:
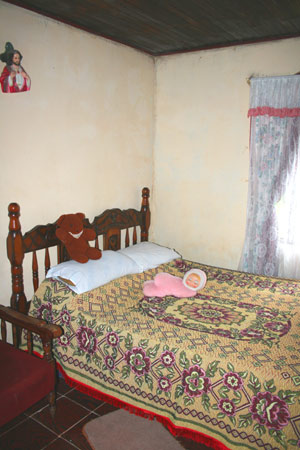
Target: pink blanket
[(167, 284)]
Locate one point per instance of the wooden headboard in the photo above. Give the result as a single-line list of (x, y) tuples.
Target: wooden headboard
[(108, 224)]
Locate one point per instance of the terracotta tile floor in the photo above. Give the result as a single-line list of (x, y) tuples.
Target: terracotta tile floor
[(35, 430)]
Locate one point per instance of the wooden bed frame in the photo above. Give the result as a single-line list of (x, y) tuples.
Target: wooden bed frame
[(108, 224)]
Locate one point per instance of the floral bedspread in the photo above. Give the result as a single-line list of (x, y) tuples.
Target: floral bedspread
[(225, 363)]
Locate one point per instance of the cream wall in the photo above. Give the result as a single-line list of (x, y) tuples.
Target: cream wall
[(81, 139), (201, 152), (103, 120)]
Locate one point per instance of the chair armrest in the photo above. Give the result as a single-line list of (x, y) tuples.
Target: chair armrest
[(38, 326)]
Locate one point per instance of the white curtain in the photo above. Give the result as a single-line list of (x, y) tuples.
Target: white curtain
[(272, 242)]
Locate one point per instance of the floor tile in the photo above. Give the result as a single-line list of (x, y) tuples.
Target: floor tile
[(75, 435), (84, 399), (37, 407), (62, 387), (35, 429), (188, 444), (68, 413), (12, 424), (105, 408), (28, 435), (60, 444)]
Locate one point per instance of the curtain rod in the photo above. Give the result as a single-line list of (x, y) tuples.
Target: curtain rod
[(274, 76)]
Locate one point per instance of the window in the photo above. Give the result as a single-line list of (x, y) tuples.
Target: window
[(272, 242)]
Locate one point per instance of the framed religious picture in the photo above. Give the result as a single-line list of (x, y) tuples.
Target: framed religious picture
[(13, 78)]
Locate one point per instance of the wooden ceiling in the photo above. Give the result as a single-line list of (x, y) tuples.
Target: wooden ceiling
[(160, 27)]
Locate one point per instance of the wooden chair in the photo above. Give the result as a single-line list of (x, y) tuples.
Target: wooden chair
[(25, 378)]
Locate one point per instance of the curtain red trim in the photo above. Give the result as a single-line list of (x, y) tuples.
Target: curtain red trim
[(277, 112), (176, 431)]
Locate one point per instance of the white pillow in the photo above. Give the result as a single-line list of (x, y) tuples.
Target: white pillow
[(84, 277), (148, 255)]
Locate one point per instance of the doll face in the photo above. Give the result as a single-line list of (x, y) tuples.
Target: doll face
[(193, 280)]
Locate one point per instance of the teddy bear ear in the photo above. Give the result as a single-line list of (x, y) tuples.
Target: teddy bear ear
[(80, 215), (60, 219)]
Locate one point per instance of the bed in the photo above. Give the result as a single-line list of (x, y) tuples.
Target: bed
[(221, 368)]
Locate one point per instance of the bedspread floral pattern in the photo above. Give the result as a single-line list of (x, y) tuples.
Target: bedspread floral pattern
[(191, 360), (209, 314)]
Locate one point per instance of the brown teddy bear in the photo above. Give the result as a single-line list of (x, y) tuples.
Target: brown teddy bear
[(72, 233)]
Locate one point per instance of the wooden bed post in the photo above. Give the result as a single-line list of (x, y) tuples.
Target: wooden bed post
[(15, 255), (145, 214)]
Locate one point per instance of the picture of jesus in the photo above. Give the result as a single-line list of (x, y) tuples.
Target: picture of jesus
[(13, 77)]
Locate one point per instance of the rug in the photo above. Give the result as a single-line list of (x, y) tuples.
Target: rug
[(120, 430)]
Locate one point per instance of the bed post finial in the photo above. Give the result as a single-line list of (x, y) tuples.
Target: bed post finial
[(15, 255), (145, 214)]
